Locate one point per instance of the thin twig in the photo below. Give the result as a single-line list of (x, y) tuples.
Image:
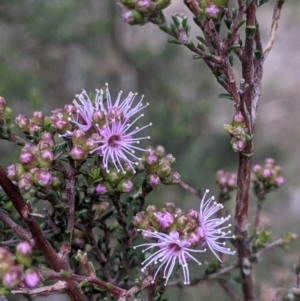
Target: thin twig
[(191, 189), (298, 273), (15, 227), (228, 290), (276, 15)]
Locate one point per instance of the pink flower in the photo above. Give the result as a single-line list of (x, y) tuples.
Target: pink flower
[(211, 229), (165, 219), (172, 248)]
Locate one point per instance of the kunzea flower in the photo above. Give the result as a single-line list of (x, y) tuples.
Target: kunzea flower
[(118, 143), (120, 109), (211, 230), (171, 248), (85, 110)]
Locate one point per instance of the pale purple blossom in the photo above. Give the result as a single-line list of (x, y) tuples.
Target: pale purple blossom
[(211, 230), (165, 219), (171, 248), (118, 144), (117, 141)]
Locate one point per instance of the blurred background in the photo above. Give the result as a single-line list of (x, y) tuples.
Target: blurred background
[(51, 50)]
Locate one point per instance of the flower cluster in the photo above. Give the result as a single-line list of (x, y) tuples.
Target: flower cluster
[(35, 161), (267, 178), (158, 167), (177, 233), (140, 11), (15, 270), (226, 181), (103, 127)]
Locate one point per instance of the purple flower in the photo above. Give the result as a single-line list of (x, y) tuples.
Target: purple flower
[(32, 278), (172, 248), (165, 219), (117, 130), (211, 229), (117, 143)]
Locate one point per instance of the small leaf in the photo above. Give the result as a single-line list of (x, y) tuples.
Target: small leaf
[(197, 57), (174, 41), (234, 46), (225, 95), (202, 40), (261, 2), (228, 23)]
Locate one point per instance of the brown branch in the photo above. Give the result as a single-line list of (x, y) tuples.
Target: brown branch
[(245, 164), (276, 15), (192, 190), (15, 227), (229, 291), (298, 274), (112, 289), (56, 288), (55, 262)]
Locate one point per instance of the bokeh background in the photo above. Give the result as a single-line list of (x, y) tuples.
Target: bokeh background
[(51, 50)]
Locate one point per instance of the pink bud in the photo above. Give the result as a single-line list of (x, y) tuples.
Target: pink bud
[(23, 123), (77, 153), (32, 278)]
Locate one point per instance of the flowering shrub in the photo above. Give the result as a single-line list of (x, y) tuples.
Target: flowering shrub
[(88, 167)]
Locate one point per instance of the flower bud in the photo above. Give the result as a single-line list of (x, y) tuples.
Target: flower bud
[(132, 17), (62, 126), (92, 142), (2, 106), (164, 170), (28, 160), (70, 109), (165, 219), (160, 151), (257, 169), (99, 209), (238, 145), (15, 171), (23, 123), (35, 129), (153, 180), (24, 253), (151, 209), (6, 260), (57, 180), (114, 177), (269, 162), (103, 188), (151, 161), (124, 185), (31, 278), (45, 159), (161, 4), (170, 159), (98, 118), (140, 221), (169, 207), (192, 214), (42, 178), (279, 181), (77, 153), (38, 117), (79, 138), (145, 6), (182, 221), (26, 181), (212, 11), (172, 178), (238, 120), (129, 3), (193, 238), (13, 277)]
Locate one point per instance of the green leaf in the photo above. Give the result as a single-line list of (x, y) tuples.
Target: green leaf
[(228, 23), (197, 57), (202, 40), (241, 23), (174, 41), (234, 46), (225, 95), (80, 212), (261, 2)]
